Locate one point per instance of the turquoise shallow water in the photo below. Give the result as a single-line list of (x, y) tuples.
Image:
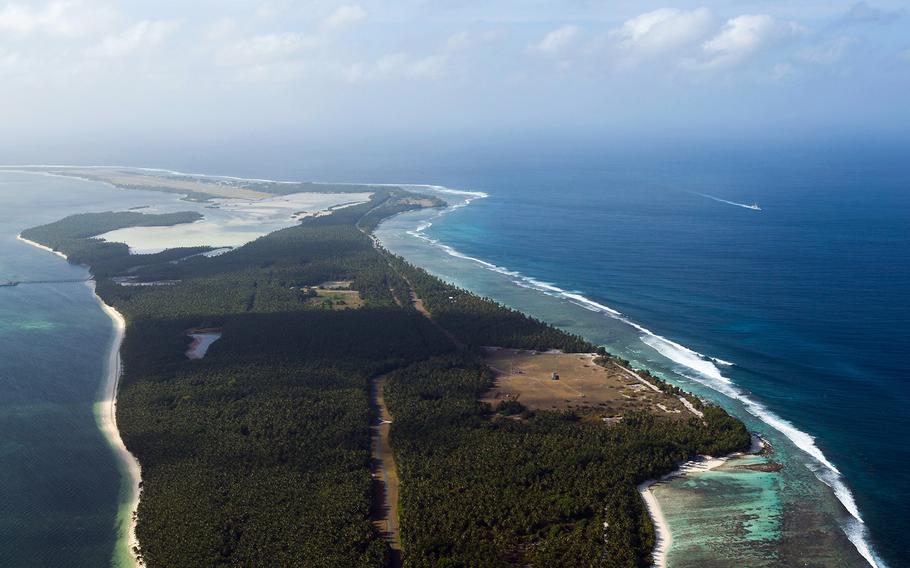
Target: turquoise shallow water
[(749, 503)]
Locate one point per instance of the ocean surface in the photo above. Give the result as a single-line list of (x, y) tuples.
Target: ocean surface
[(793, 317), (60, 485)]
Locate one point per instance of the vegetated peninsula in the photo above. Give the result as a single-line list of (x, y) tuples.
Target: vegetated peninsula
[(259, 452)]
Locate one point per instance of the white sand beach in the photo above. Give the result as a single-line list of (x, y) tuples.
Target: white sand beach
[(40, 246), (106, 415), (662, 536)]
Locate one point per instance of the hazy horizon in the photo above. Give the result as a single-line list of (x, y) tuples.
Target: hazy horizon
[(93, 81)]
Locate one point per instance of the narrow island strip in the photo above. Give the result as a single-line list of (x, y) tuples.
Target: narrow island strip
[(126, 552)]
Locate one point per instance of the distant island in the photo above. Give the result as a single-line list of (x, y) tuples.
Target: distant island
[(349, 409)]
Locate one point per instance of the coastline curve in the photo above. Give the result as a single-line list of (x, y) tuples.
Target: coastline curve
[(126, 551)]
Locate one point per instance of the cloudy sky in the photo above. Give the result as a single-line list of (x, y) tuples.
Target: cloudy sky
[(99, 74)]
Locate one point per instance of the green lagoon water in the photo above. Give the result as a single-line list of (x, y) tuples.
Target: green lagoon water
[(60, 486), (725, 516)]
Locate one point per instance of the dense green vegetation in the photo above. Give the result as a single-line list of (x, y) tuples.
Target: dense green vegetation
[(258, 454)]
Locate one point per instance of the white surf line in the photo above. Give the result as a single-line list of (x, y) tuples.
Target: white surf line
[(106, 416), (719, 200), (706, 373)]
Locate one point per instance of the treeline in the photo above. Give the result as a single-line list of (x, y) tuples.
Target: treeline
[(258, 454)]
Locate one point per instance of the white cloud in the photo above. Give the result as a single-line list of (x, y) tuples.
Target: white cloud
[(782, 71), (219, 29), (864, 13), (263, 49), (459, 41), (268, 10), (144, 34), (66, 18), (827, 53), (741, 37), (662, 30), (395, 66), (426, 67), (344, 16), (466, 40), (9, 61), (557, 41)]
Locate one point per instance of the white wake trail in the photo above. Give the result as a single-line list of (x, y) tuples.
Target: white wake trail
[(753, 207)]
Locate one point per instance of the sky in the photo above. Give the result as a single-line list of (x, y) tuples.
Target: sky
[(89, 80)]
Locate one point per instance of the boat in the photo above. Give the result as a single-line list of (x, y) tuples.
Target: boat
[(753, 207), (8, 283)]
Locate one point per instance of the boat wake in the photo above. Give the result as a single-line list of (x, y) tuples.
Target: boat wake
[(753, 206), (692, 365)]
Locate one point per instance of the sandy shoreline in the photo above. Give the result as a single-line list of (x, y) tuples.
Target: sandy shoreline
[(663, 537), (106, 416), (40, 246)]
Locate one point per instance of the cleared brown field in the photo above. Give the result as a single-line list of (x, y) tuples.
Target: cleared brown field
[(583, 385), (337, 299)]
